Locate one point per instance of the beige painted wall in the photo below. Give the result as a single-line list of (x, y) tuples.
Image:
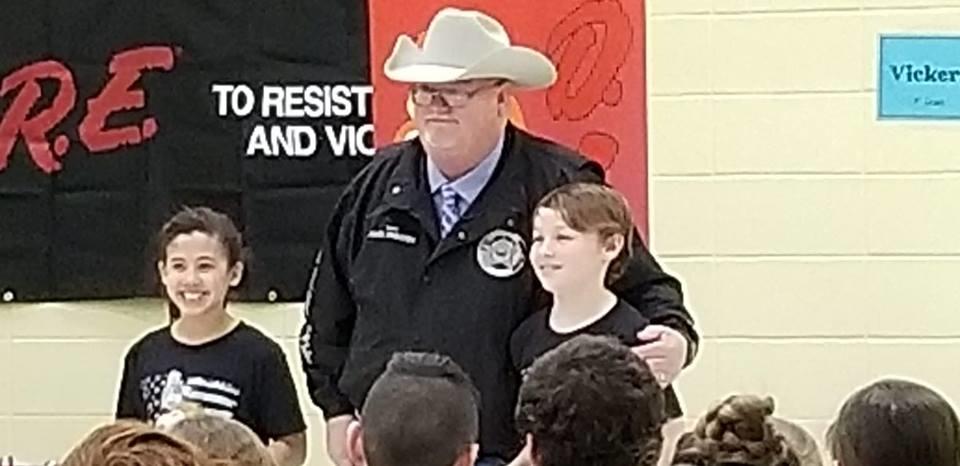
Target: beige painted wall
[(820, 249)]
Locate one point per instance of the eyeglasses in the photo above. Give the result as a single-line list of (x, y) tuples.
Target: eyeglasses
[(424, 95)]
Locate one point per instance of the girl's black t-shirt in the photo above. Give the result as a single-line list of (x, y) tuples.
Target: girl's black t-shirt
[(242, 375)]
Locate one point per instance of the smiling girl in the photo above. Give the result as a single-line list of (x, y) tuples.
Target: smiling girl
[(206, 356)]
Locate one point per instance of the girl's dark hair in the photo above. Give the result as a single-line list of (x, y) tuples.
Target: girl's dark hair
[(736, 432), (203, 220), (893, 423)]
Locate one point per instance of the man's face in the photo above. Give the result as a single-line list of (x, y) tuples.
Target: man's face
[(459, 114)]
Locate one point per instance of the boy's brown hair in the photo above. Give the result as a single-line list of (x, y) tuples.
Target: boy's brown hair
[(134, 444), (222, 439), (592, 207)]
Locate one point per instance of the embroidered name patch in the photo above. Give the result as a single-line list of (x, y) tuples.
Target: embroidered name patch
[(393, 233)]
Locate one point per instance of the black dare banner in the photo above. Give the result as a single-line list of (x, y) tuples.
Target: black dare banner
[(113, 114)]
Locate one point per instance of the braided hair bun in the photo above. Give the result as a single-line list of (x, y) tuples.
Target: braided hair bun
[(738, 431)]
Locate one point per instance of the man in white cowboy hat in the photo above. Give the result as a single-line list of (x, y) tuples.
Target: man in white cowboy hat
[(426, 247)]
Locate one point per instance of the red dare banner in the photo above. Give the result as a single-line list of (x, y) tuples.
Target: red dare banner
[(119, 94), (598, 104)]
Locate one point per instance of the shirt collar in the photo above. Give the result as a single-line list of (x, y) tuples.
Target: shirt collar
[(471, 183)]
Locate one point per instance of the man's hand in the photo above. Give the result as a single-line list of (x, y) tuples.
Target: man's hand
[(337, 440), (664, 349)]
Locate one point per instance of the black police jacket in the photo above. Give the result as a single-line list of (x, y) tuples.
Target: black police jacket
[(385, 280)]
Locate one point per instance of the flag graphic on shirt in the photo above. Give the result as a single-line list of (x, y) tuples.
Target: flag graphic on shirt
[(164, 392)]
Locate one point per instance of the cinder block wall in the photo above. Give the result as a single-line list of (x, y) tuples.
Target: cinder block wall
[(819, 246)]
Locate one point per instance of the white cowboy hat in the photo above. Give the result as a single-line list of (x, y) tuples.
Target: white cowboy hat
[(466, 44)]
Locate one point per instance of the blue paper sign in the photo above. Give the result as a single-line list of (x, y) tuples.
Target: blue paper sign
[(919, 77)]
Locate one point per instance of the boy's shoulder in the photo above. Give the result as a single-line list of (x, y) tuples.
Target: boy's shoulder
[(528, 337), (624, 321), (625, 310), (532, 324)]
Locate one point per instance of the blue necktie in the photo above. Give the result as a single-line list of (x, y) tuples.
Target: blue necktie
[(449, 209)]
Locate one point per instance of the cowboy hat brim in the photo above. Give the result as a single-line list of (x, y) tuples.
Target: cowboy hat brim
[(524, 67)]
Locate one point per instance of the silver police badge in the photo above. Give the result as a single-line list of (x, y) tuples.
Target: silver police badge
[(500, 253)]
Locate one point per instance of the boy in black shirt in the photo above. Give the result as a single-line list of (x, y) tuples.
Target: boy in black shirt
[(581, 240)]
